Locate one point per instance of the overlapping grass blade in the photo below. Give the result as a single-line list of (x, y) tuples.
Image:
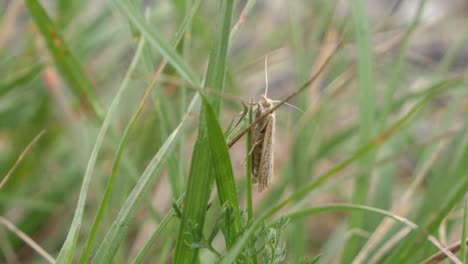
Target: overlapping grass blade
[(122, 144), (201, 176), (21, 79), (153, 38), (446, 190), (68, 248), (367, 109), (372, 145), (226, 184), (118, 229), (352, 207), (170, 215), (69, 66), (385, 177)]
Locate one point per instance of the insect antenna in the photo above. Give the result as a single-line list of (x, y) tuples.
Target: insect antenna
[(266, 76), (266, 87), (290, 105)]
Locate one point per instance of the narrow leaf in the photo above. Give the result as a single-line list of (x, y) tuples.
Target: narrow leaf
[(73, 72), (21, 79), (224, 174), (201, 176), (68, 248), (155, 40)]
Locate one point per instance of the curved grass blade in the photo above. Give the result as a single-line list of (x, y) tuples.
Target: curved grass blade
[(439, 257), (117, 231), (73, 72), (453, 188), (354, 207), (385, 176), (68, 248), (242, 241), (123, 141)]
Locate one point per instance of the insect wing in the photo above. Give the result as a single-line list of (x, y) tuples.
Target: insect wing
[(265, 168)]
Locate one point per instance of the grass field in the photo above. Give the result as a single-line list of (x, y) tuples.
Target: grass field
[(117, 118)]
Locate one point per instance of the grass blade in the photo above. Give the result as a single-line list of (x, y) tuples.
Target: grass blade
[(169, 216), (68, 248), (201, 171), (69, 66), (451, 188), (122, 144), (20, 158), (28, 240), (153, 38), (353, 207), (242, 241), (367, 108), (464, 232), (249, 169), (21, 79), (118, 229), (226, 184)]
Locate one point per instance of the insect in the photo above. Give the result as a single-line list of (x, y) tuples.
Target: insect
[(263, 139), (263, 128)]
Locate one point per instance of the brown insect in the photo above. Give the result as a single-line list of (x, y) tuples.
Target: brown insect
[(263, 139), (263, 129)]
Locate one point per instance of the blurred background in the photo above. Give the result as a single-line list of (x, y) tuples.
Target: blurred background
[(414, 43)]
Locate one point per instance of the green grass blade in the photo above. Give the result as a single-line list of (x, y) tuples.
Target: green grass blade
[(68, 248), (21, 79), (249, 169), (216, 71), (385, 177), (102, 207), (156, 41), (353, 207), (464, 232), (110, 186), (117, 231), (169, 216), (243, 16), (201, 171), (68, 10), (73, 72), (372, 145), (452, 188), (199, 189), (226, 184), (366, 117), (115, 235)]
